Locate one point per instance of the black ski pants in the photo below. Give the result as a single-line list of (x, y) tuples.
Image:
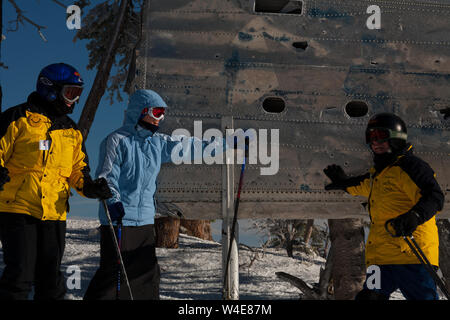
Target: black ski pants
[(32, 253), (139, 256)]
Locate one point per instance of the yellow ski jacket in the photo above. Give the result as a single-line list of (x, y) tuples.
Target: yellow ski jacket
[(409, 183), (45, 156)]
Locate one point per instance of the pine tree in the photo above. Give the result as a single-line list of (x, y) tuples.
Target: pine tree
[(288, 233), (98, 28)]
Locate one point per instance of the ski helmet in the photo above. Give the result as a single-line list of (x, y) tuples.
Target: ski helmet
[(387, 127), (61, 85)]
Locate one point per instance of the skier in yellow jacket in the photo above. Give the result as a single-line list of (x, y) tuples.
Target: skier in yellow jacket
[(42, 156), (401, 187)]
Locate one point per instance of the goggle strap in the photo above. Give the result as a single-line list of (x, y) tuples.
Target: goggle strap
[(398, 135), (391, 134)]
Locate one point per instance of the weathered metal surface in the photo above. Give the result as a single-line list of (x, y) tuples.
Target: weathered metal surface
[(216, 58)]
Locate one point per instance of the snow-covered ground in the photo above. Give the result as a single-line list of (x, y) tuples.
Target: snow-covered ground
[(193, 271)]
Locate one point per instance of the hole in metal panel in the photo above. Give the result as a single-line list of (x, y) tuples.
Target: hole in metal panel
[(273, 105), (279, 6), (300, 45), (356, 109)]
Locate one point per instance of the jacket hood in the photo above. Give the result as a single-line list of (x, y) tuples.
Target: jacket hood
[(138, 101)]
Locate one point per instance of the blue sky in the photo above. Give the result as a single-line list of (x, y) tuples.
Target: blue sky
[(25, 54)]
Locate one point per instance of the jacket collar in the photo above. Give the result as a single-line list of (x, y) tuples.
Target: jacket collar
[(388, 160), (39, 105), (142, 132)]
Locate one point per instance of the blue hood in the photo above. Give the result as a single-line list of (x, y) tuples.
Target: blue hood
[(132, 167), (138, 101)]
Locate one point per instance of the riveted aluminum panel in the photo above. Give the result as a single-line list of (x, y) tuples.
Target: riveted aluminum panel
[(216, 58)]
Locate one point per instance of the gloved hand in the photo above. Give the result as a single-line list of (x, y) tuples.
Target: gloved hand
[(97, 189), (406, 224), (446, 113), (4, 177), (337, 177), (116, 211)]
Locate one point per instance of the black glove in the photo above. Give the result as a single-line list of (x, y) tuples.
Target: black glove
[(116, 211), (4, 177), (337, 177), (406, 224), (97, 189), (446, 113)]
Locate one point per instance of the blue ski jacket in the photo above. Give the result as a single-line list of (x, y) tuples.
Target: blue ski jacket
[(130, 160)]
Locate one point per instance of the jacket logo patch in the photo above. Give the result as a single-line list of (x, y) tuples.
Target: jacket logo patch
[(389, 187), (68, 134), (34, 120)]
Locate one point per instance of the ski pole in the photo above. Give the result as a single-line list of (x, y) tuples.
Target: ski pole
[(419, 253), (117, 247), (119, 269), (415, 248), (236, 207)]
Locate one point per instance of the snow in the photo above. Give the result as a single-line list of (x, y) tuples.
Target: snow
[(193, 271)]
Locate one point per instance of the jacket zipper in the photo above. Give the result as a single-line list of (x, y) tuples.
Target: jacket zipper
[(142, 193), (372, 177)]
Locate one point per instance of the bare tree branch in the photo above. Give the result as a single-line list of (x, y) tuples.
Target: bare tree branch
[(310, 293), (60, 3), (21, 18)]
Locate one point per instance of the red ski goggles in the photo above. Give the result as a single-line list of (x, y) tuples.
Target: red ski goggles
[(156, 113), (71, 93), (377, 134)]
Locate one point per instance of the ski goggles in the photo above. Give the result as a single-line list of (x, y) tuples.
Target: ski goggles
[(156, 113), (381, 135), (378, 135), (71, 93)]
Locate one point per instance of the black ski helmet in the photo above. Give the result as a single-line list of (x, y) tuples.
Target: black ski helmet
[(387, 127)]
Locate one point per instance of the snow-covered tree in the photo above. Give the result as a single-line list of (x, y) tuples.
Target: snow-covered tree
[(98, 26), (289, 233)]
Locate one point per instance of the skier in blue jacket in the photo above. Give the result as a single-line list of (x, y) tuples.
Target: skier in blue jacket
[(130, 160)]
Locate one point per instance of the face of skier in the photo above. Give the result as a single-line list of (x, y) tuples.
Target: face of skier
[(380, 147), (153, 115)]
